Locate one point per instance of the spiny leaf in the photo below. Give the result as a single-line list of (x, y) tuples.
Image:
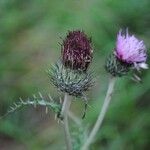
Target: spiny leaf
[(40, 101)]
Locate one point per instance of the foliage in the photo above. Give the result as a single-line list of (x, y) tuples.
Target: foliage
[(35, 101)]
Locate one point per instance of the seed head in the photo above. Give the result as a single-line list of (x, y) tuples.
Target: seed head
[(76, 51)]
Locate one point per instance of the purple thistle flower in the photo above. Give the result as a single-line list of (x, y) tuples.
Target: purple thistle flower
[(77, 51), (130, 50)]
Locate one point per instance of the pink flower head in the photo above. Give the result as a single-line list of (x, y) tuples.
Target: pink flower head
[(130, 50)]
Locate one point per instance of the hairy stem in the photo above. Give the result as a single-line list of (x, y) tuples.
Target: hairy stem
[(64, 113), (101, 114)]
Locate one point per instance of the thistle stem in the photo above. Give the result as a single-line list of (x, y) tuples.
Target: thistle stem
[(64, 113), (74, 118), (101, 114)]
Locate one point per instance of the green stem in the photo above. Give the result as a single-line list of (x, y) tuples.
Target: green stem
[(64, 113), (101, 115)]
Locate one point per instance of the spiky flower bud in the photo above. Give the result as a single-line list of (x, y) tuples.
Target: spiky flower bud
[(69, 81), (76, 51), (116, 67)]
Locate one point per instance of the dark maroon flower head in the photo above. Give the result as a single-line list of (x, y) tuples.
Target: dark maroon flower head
[(77, 51)]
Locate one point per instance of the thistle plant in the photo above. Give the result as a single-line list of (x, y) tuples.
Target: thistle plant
[(128, 55), (71, 76)]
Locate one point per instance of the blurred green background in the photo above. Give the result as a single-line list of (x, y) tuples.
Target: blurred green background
[(30, 33)]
